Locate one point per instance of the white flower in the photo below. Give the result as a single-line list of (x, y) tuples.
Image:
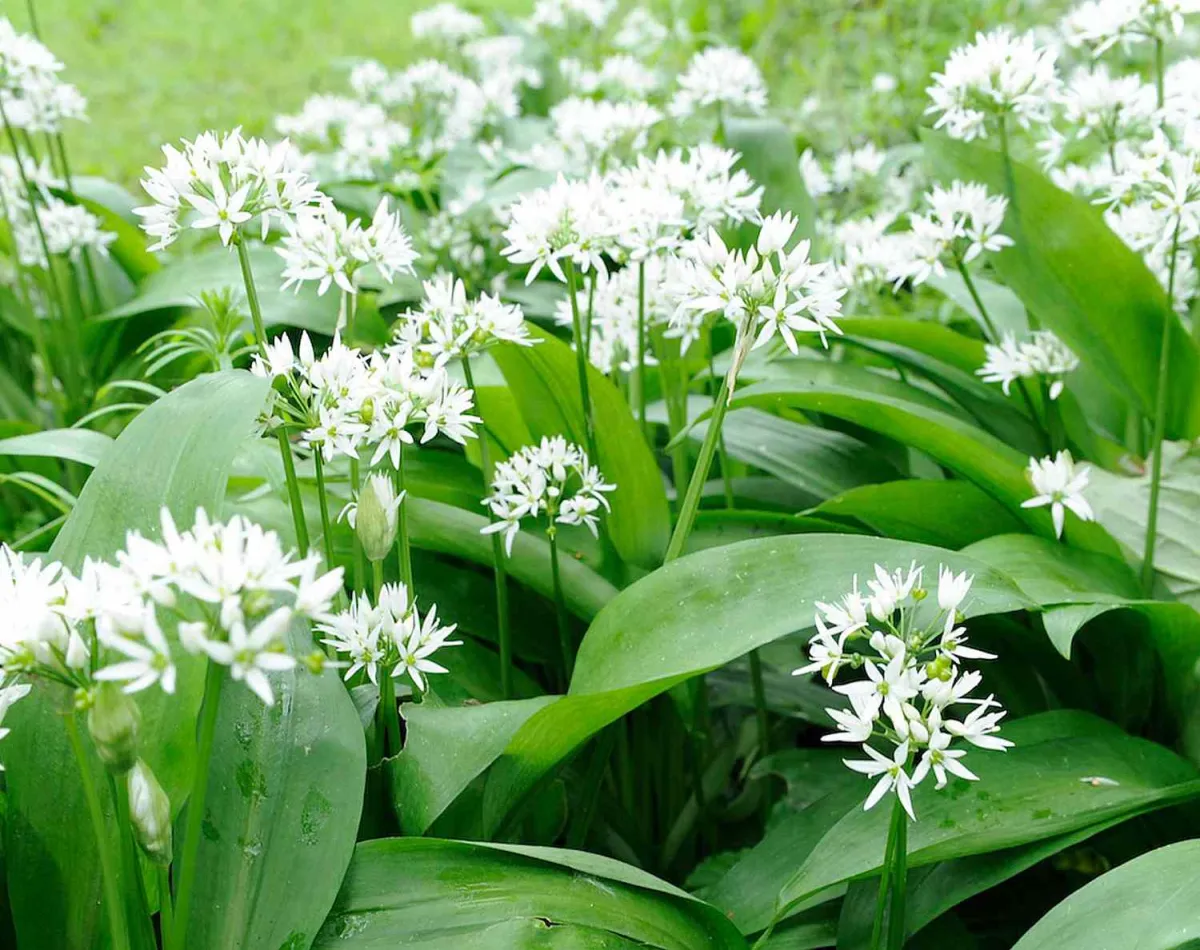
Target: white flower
[(847, 616), (942, 759), (952, 589), (1059, 483), (723, 77), (252, 654), (594, 132), (857, 725), (149, 660), (980, 727), (1043, 354), (448, 325), (962, 222), (892, 776), (997, 77), (890, 590), (554, 477), (569, 220), (1111, 107), (9, 695), (1101, 24), (446, 22)]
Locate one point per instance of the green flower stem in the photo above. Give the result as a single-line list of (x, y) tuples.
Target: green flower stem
[(114, 906), (390, 715), (33, 23), (132, 886), (899, 876), (403, 548), (581, 362), (1159, 71), (89, 267), (166, 919), (326, 530), (214, 680), (377, 578), (691, 502), (641, 344), (1160, 423), (885, 881), (285, 447), (360, 560), (560, 609), (504, 631), (722, 454), (591, 310)]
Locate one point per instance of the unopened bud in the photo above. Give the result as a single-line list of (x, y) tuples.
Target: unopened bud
[(114, 721), (149, 813), (377, 516)]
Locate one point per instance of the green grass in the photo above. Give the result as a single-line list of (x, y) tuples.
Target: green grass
[(156, 70)]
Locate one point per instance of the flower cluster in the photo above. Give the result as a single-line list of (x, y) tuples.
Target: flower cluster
[(32, 95), (345, 401), (1101, 24), (766, 291), (448, 325), (554, 478), (912, 656), (69, 230), (1043, 355), (593, 133), (997, 78), (390, 635), (720, 77), (324, 247), (222, 182), (1059, 482), (567, 221), (961, 222), (226, 591)]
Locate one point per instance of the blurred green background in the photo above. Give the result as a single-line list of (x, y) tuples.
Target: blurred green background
[(156, 70)]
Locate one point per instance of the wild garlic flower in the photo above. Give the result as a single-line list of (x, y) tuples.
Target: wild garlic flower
[(595, 133), (390, 635), (36, 633), (362, 140), (222, 183), (446, 23), (620, 78), (554, 478), (448, 325), (345, 401), (1113, 108), (961, 222), (443, 107), (765, 291), (714, 192), (720, 77), (568, 220), (641, 32), (1043, 355), (1059, 482), (998, 77), (34, 98), (1101, 24), (322, 246), (568, 16), (903, 715), (9, 695)]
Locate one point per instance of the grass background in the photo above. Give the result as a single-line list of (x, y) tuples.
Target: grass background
[(158, 70)]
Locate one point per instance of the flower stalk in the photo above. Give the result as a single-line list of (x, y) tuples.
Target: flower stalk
[(581, 359)]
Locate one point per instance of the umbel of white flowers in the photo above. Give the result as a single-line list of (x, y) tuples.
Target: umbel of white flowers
[(914, 710), (1043, 355), (225, 591), (390, 635), (554, 478)]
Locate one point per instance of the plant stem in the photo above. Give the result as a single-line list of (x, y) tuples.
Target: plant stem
[(166, 920), (214, 679), (641, 343), (691, 502), (581, 362), (885, 880), (360, 564), (592, 780), (899, 876), (33, 23), (504, 632), (560, 610), (391, 717), (403, 549), (114, 906), (1159, 71), (285, 446), (722, 454), (326, 531), (1160, 422), (132, 886), (377, 578)]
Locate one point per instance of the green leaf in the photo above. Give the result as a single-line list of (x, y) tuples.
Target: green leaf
[(177, 453), (687, 618), (768, 155), (453, 895), (1060, 244), (85, 446), (1003, 307), (1148, 903), (544, 382), (180, 283), (285, 793)]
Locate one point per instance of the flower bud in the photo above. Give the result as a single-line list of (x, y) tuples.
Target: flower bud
[(149, 813), (114, 721), (377, 516)]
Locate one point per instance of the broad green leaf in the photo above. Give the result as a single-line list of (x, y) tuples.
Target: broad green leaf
[(934, 340), (686, 619), (85, 446), (1003, 307), (1033, 791), (177, 453), (285, 793), (1052, 573), (180, 283), (453, 895), (949, 513), (1148, 903), (544, 382), (1061, 244), (768, 155)]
